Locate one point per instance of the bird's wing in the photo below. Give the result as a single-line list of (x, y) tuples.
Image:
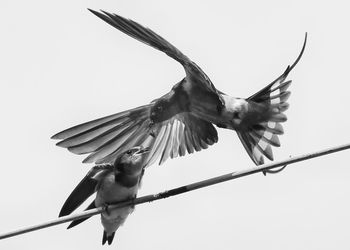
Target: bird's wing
[(84, 189), (106, 138), (78, 221), (178, 135), (149, 37), (142, 34)]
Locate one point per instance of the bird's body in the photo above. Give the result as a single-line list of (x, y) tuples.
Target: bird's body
[(112, 183), (189, 96), (182, 120), (115, 188)]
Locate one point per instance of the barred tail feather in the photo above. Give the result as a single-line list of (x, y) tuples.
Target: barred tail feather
[(259, 137), (256, 148)]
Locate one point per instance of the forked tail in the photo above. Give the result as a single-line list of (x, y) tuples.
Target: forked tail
[(107, 238), (259, 137)]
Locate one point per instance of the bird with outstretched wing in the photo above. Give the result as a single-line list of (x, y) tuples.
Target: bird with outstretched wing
[(182, 121)]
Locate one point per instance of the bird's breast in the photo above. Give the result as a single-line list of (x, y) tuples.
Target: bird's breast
[(111, 191)]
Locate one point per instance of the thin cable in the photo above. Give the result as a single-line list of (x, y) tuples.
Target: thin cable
[(177, 191)]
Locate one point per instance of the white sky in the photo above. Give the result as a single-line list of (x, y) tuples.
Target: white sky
[(61, 66)]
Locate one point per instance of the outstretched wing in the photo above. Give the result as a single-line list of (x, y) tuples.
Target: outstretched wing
[(142, 34), (106, 138), (149, 37), (184, 133), (78, 221)]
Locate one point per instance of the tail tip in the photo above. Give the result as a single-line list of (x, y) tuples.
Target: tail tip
[(108, 239)]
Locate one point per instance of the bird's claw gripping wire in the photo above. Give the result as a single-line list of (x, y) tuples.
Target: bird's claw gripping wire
[(270, 171), (106, 208)]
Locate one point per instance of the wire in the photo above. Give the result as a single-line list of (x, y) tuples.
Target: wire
[(177, 191)]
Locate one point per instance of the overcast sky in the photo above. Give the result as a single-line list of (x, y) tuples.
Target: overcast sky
[(61, 66)]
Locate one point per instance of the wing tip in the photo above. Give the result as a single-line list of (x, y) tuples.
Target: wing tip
[(62, 213), (93, 11), (104, 15), (57, 136), (88, 160), (62, 144), (65, 210)]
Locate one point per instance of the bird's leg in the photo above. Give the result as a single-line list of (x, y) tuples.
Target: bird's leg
[(106, 208)]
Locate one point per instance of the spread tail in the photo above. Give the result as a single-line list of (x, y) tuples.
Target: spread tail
[(271, 102)]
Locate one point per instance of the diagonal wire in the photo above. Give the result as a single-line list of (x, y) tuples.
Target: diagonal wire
[(177, 191)]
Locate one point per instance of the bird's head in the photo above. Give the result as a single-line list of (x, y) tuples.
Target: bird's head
[(131, 162)]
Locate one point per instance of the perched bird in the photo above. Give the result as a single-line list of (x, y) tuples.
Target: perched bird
[(183, 119), (112, 183)]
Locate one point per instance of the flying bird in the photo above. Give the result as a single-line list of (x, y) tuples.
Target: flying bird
[(182, 121), (112, 183)]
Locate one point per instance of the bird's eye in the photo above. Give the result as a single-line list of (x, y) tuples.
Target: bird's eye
[(129, 152), (159, 108)]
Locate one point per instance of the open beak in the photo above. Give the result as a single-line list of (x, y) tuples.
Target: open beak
[(143, 150), (151, 123)]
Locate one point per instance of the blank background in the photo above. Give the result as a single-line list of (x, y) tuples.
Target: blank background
[(61, 66)]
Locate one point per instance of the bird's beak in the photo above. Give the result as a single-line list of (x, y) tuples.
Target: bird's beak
[(151, 124), (143, 150)]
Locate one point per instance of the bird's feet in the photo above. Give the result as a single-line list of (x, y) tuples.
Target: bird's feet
[(106, 208)]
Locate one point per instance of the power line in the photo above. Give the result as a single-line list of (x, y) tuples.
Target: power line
[(177, 191)]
